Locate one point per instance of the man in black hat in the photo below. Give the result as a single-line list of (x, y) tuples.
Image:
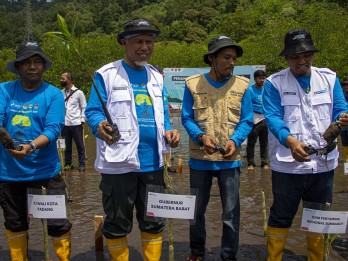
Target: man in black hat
[(217, 114), (32, 112), (133, 93), (299, 104)]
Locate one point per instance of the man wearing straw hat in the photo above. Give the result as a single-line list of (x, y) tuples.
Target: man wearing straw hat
[(32, 112), (218, 116), (299, 104), (133, 93)]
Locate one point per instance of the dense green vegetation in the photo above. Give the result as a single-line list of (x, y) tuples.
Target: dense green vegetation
[(186, 26)]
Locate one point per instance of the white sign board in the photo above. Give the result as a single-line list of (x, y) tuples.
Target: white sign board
[(170, 206), (345, 168), (325, 222), (61, 143), (46, 206)]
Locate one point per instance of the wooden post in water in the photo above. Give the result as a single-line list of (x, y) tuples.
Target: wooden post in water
[(98, 223)]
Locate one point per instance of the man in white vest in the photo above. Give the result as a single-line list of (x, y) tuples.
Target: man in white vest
[(299, 103), (217, 114), (133, 93)]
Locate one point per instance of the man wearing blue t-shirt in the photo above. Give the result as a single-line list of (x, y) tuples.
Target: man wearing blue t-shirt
[(133, 93), (32, 112), (217, 115), (259, 130)]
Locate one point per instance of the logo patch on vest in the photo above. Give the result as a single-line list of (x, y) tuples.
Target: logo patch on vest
[(320, 92), (119, 88), (289, 93)]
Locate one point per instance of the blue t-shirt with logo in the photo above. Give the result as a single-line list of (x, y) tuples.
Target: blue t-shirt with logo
[(256, 97), (147, 148)]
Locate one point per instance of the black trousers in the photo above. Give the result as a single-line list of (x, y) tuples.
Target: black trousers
[(260, 131), (13, 200), (70, 133), (120, 194)]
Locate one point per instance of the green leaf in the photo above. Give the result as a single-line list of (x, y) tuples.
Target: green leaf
[(63, 27), (74, 25), (55, 35)]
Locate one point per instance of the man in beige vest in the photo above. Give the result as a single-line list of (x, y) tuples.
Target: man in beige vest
[(218, 116)]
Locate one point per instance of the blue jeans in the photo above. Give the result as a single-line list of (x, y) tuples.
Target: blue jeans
[(289, 189), (228, 181)]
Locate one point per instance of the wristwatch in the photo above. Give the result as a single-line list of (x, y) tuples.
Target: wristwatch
[(199, 139), (32, 147)]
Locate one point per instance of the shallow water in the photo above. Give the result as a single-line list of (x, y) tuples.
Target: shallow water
[(85, 203)]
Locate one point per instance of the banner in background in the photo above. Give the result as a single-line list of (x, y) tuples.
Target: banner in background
[(174, 79)]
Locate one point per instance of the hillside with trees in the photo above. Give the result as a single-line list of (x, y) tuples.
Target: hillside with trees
[(186, 27)]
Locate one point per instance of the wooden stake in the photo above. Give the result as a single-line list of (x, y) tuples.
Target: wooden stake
[(62, 171), (180, 165), (45, 229), (98, 223), (264, 214)]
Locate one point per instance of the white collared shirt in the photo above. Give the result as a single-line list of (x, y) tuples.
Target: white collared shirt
[(74, 107)]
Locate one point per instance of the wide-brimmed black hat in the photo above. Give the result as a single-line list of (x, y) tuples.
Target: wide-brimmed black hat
[(298, 41), (218, 43), (26, 51), (138, 26)]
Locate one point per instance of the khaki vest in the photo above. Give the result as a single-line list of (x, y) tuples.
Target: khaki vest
[(216, 111)]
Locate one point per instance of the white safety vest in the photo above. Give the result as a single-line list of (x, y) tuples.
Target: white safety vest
[(307, 116), (122, 157)]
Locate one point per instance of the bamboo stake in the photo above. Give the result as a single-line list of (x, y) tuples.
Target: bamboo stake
[(180, 161), (84, 142), (264, 214), (45, 229), (169, 185), (171, 240), (62, 171), (328, 239), (326, 243)]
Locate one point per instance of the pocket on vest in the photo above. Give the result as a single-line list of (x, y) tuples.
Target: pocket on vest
[(121, 150)]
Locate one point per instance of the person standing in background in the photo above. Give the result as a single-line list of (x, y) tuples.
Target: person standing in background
[(75, 104), (32, 112), (260, 130), (344, 131)]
